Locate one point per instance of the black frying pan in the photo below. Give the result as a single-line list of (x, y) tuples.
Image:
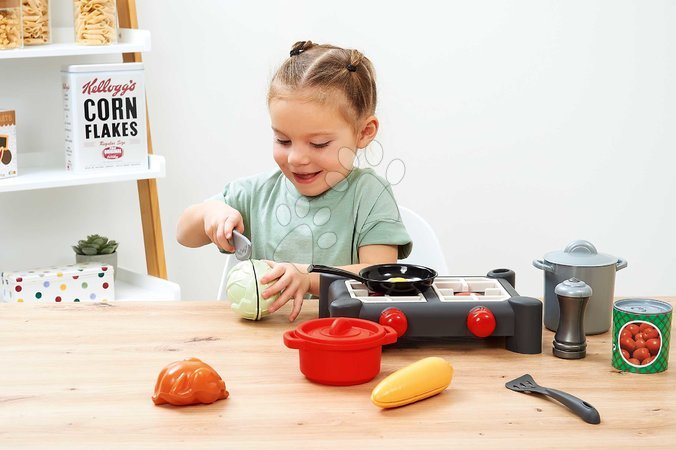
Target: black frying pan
[(378, 278)]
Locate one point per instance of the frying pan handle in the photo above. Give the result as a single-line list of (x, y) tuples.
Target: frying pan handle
[(318, 268)]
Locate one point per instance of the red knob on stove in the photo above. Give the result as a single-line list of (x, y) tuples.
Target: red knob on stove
[(394, 318), (481, 321)]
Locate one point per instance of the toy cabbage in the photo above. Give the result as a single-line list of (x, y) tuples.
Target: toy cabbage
[(241, 290)]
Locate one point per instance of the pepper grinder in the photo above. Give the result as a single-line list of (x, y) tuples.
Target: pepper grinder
[(569, 341)]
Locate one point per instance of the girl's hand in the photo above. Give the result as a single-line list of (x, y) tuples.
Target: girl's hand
[(293, 281), (219, 221)]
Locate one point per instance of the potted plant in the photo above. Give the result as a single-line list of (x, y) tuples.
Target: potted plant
[(97, 249)]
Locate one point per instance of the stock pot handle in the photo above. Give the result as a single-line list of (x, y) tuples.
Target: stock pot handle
[(391, 335), (538, 263), (621, 264), (292, 341)]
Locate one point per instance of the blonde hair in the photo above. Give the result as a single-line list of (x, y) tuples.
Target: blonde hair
[(326, 69)]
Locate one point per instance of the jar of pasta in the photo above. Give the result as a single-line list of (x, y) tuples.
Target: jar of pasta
[(10, 24), (36, 23), (95, 22)]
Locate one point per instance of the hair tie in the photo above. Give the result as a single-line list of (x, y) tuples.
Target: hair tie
[(351, 68), (295, 52)]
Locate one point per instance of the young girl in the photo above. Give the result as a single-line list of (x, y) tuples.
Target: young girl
[(316, 208)]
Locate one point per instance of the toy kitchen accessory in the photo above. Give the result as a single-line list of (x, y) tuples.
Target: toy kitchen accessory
[(641, 333), (8, 152), (242, 246), (245, 292), (59, 284), (420, 380), (390, 279), (581, 260), (105, 117), (339, 351), (569, 341), (469, 306), (584, 410), (189, 382), (242, 288)]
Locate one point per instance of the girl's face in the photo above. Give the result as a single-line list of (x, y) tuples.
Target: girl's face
[(314, 145)]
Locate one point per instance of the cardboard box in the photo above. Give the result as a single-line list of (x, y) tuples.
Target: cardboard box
[(84, 282), (8, 150), (105, 117)]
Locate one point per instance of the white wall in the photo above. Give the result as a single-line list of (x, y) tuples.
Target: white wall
[(523, 125)]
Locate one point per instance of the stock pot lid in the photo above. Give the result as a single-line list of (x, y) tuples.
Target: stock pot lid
[(342, 332), (580, 254)]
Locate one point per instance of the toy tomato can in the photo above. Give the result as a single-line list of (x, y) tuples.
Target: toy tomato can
[(641, 332)]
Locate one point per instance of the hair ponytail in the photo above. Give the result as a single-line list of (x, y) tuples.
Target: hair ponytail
[(301, 46), (328, 68), (355, 59)]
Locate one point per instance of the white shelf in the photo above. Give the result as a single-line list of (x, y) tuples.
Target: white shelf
[(44, 170), (132, 286), (48, 170), (63, 44)]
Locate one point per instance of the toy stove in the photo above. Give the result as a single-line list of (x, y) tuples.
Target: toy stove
[(471, 306)]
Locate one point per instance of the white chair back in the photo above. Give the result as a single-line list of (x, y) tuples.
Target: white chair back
[(426, 248), (230, 262)]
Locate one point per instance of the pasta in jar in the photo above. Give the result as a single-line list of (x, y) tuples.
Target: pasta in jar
[(36, 26), (10, 24), (95, 22)]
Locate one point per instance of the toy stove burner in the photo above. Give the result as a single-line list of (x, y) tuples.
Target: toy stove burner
[(444, 288), (448, 308)]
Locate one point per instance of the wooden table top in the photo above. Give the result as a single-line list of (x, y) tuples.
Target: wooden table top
[(82, 376)]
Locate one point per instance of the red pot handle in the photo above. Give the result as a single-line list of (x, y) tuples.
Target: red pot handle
[(292, 341), (391, 335)]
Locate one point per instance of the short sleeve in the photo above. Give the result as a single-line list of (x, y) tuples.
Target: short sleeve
[(379, 221), (238, 194)]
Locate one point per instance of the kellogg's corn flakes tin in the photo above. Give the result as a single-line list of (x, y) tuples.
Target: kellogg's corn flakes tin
[(641, 331), (105, 117)]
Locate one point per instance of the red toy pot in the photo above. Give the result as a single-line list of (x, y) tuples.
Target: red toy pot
[(340, 351)]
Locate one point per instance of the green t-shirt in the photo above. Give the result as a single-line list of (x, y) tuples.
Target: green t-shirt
[(284, 225)]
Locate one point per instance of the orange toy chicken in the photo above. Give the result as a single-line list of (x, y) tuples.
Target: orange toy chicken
[(188, 382)]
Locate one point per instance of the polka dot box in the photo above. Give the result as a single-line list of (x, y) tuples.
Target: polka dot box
[(84, 282)]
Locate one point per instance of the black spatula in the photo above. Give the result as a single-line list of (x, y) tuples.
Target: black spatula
[(526, 384)]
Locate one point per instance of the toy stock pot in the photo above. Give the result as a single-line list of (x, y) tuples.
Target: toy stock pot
[(581, 260), (340, 351)]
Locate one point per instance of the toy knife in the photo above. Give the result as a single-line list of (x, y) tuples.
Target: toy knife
[(242, 246)]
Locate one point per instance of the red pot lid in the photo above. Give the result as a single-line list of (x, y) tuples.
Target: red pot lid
[(343, 333)]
